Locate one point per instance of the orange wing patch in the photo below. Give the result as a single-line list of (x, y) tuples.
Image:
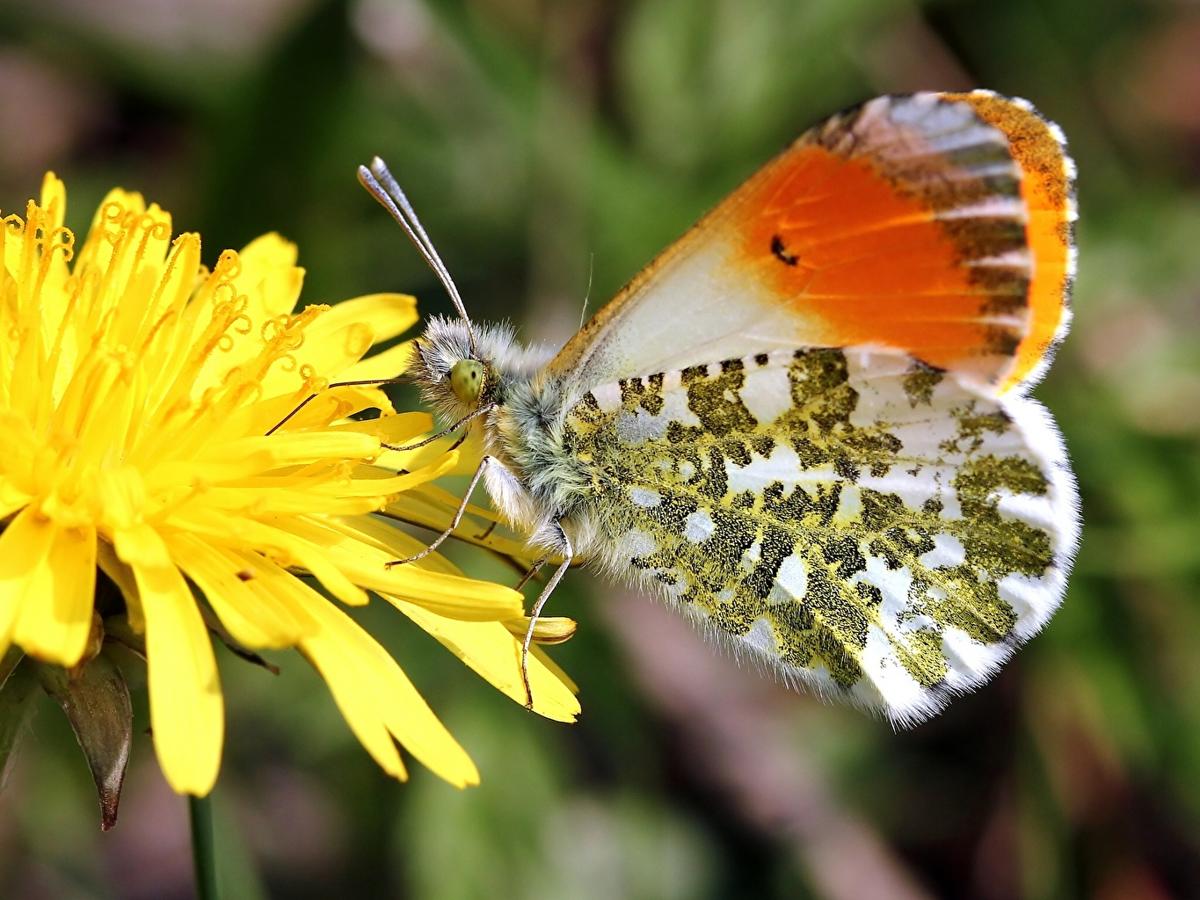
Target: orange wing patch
[(927, 223), (871, 264)]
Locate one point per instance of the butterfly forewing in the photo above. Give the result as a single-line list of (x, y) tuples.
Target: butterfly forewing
[(863, 522), (937, 224)]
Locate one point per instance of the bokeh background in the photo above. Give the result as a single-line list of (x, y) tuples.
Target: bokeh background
[(552, 148)]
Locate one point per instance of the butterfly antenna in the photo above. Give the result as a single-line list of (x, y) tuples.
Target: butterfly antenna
[(382, 185), (588, 294)]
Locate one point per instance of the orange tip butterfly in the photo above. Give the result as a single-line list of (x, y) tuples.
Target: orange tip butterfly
[(806, 423)]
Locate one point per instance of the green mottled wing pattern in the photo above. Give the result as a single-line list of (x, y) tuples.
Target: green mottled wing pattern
[(868, 525)]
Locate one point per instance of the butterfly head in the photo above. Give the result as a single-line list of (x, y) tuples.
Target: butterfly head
[(455, 365)]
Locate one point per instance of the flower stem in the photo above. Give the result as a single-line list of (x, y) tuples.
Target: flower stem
[(204, 858)]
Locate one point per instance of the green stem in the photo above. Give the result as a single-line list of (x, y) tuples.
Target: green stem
[(204, 858)]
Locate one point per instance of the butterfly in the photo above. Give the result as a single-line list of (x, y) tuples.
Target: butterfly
[(806, 423)]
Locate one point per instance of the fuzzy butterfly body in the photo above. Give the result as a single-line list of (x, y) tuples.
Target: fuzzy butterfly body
[(805, 423)]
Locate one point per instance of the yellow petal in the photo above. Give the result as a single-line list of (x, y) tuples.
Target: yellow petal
[(12, 498), (309, 497), (122, 576), (291, 540), (467, 453), (137, 267), (355, 699), (387, 364), (394, 429), (495, 655), (341, 669), (296, 409), (549, 629), (229, 467), (187, 713), (414, 478), (127, 201), (448, 595), (553, 668), (432, 507), (269, 276), (140, 545), (387, 314), (375, 695), (239, 589), (395, 544), (437, 502), (471, 450), (55, 626), (24, 575), (286, 448), (339, 337), (54, 199)]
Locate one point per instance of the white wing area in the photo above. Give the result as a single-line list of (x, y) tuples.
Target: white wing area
[(960, 431), (696, 307), (877, 530)]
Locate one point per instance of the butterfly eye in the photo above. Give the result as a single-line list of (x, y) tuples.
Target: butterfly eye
[(466, 380)]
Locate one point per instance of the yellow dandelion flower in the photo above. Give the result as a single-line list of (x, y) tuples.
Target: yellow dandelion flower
[(139, 395)]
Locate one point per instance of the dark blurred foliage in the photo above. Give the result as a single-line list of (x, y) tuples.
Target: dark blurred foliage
[(553, 148)]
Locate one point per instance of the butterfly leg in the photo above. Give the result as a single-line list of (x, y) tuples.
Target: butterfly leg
[(528, 576), (458, 514), (568, 553), (449, 429)]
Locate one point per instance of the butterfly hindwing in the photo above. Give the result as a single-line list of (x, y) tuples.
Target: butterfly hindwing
[(936, 224), (877, 528)]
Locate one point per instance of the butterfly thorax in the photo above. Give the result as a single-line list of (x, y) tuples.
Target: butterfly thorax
[(543, 484)]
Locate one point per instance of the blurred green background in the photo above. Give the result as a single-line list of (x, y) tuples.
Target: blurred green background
[(552, 149)]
